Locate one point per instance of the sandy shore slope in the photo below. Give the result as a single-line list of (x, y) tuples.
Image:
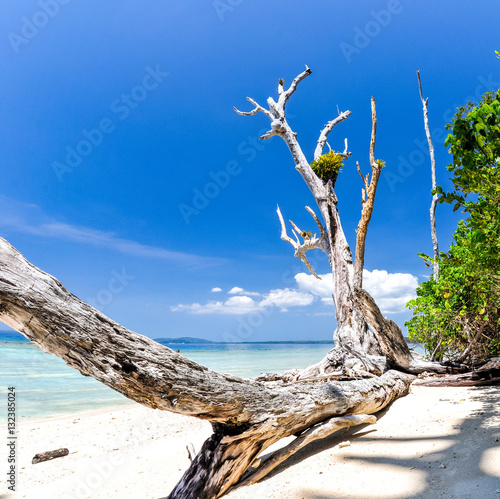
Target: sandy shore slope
[(434, 443)]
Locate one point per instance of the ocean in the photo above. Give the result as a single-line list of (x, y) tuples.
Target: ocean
[(46, 387)]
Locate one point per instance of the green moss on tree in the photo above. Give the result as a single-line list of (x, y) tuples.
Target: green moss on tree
[(328, 166)]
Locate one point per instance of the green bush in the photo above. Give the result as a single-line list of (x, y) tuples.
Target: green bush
[(460, 310)]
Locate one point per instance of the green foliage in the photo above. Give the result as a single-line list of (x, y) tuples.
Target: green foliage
[(328, 166), (306, 234), (463, 306), (380, 163)]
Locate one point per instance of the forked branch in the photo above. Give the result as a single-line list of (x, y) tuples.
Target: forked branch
[(285, 95), (326, 131), (368, 201), (254, 111), (309, 241)]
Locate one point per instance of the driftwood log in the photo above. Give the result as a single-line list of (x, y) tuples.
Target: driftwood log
[(48, 455), (488, 374), (370, 366), (247, 415)]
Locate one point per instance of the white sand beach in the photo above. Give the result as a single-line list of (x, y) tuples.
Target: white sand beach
[(434, 443)]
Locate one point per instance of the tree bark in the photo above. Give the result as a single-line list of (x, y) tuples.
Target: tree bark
[(368, 202)]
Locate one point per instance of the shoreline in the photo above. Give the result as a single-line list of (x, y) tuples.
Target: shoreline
[(435, 442), (31, 420)]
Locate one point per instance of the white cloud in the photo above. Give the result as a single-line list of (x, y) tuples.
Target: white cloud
[(216, 290), (390, 291), (319, 287), (244, 304), (236, 305), (284, 298), (240, 291)]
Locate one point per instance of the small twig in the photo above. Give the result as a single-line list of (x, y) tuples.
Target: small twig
[(257, 108), (191, 451), (309, 242), (361, 175)]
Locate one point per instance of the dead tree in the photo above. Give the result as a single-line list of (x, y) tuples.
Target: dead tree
[(435, 246), (366, 342), (369, 367)]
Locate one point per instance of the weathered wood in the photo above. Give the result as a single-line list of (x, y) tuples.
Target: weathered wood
[(48, 455), (353, 339), (393, 344), (247, 415), (488, 374), (225, 458), (322, 430), (309, 242), (368, 202)]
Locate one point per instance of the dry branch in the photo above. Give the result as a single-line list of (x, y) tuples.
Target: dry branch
[(247, 415), (309, 242), (435, 246), (368, 202)]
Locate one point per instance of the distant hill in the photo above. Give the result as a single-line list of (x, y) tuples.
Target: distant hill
[(192, 341), (182, 340)]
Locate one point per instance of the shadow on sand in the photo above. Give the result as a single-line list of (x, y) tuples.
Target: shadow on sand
[(461, 464)]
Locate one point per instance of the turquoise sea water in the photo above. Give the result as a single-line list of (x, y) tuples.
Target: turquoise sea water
[(46, 387)]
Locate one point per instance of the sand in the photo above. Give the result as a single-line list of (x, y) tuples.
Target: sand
[(434, 443)]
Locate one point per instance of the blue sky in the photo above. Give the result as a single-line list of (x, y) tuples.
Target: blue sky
[(128, 176)]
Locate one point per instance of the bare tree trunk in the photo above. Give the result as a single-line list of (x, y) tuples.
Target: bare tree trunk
[(358, 350), (434, 201), (247, 415)]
